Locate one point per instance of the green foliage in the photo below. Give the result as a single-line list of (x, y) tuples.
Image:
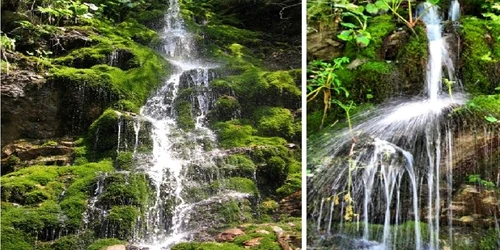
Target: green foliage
[(476, 179), (323, 79), (102, 243)]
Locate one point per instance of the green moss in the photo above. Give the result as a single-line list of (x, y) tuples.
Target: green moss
[(239, 184), (125, 105), (269, 206), (13, 239), (480, 61), (412, 60), (226, 108), (103, 243), (275, 121), (236, 134), (123, 161), (238, 165)]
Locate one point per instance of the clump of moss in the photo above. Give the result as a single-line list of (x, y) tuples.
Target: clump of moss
[(103, 132), (275, 121)]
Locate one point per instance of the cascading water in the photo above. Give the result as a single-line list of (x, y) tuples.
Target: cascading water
[(175, 152), (376, 173)]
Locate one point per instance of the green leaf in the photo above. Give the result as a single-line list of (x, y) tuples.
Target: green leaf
[(372, 8), (345, 35), (363, 40)]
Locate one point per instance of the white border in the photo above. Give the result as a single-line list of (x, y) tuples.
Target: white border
[(304, 124)]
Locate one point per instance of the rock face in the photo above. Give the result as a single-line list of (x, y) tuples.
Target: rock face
[(27, 153), (34, 108), (475, 206)]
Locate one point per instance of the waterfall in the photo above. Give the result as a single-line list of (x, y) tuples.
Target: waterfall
[(179, 160), (386, 161)]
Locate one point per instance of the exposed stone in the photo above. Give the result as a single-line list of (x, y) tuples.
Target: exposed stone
[(253, 242), (229, 234), (116, 247), (321, 45)]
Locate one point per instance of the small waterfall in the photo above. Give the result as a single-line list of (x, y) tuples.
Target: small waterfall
[(388, 168)]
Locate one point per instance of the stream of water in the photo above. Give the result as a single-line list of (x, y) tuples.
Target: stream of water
[(387, 169)]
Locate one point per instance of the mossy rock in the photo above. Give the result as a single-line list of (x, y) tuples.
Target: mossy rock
[(226, 108)]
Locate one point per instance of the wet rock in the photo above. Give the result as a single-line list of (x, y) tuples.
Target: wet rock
[(253, 242), (229, 234), (393, 44)]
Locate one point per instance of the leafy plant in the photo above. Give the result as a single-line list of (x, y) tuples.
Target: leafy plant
[(354, 32), (323, 79), (395, 5)]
